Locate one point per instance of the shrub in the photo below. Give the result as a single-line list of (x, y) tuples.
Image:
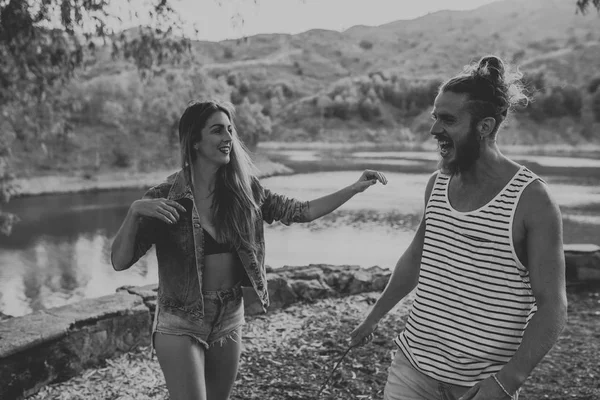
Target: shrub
[(551, 100), (366, 45), (594, 85), (122, 158), (232, 79), (252, 125), (369, 110), (228, 53), (572, 101), (339, 108), (596, 105)]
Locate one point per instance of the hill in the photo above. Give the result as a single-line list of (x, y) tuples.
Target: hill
[(438, 43), (537, 35), (365, 83)]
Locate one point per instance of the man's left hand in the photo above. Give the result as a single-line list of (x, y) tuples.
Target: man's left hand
[(487, 389)]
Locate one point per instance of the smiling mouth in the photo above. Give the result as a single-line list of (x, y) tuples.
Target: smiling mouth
[(445, 145), (225, 149)]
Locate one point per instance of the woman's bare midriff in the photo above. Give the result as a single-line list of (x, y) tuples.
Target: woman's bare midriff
[(221, 271)]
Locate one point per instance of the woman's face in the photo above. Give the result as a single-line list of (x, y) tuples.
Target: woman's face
[(216, 143)]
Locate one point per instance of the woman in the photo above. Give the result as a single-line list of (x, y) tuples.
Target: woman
[(207, 224)]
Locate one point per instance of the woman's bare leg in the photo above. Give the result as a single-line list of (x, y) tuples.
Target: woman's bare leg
[(181, 359), (222, 361)]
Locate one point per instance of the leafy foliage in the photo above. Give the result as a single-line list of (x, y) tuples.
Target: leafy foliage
[(594, 84), (596, 105), (43, 43), (551, 99), (251, 123), (584, 5), (130, 106), (366, 44), (366, 96), (7, 189)]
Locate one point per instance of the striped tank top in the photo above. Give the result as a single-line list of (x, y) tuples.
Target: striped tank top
[(474, 299)]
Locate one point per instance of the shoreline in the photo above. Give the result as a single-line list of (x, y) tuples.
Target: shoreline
[(113, 180), (79, 182), (509, 149)]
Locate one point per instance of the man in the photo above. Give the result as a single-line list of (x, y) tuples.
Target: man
[(487, 259)]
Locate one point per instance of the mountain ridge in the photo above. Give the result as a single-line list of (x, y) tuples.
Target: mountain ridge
[(536, 35)]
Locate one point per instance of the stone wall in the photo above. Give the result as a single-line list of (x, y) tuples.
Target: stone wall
[(583, 263), (56, 344)]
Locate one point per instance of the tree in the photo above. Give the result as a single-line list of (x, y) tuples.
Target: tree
[(7, 189), (584, 5), (596, 105), (43, 43), (594, 85), (251, 123)]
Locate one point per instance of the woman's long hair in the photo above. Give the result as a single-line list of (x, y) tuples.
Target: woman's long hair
[(234, 205)]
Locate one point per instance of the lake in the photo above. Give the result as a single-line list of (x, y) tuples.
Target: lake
[(60, 252)]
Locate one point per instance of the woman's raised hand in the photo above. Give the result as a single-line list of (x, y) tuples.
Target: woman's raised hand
[(369, 178), (162, 209)]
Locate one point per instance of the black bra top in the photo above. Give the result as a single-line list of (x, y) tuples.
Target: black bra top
[(211, 246)]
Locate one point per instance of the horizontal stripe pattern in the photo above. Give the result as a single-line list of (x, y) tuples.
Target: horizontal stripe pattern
[(474, 299)]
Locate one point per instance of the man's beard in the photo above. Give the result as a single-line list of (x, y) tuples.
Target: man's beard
[(466, 153)]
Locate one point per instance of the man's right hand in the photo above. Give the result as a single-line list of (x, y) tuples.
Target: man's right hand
[(162, 209), (363, 333)]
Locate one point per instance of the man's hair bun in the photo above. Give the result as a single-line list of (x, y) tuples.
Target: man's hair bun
[(491, 68)]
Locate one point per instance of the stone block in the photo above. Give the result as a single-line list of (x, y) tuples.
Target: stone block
[(22, 333), (252, 304), (311, 289), (582, 262), (306, 273), (151, 304), (380, 282), (147, 293), (4, 316), (56, 344), (281, 293), (89, 311), (379, 278), (360, 282)]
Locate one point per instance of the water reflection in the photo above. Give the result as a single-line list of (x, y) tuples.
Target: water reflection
[(60, 252)]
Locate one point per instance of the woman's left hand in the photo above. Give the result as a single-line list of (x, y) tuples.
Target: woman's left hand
[(367, 179)]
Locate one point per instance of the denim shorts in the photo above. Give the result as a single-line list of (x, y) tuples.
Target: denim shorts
[(223, 315)]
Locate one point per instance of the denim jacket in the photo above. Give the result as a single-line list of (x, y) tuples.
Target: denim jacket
[(180, 247)]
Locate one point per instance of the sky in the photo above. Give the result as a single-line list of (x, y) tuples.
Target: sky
[(222, 19)]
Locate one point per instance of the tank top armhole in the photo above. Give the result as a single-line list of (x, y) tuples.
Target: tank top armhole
[(520, 265), (435, 183)]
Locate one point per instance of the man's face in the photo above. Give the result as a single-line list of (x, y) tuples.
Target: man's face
[(457, 137)]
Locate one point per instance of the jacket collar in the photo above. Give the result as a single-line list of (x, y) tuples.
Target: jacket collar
[(180, 188)]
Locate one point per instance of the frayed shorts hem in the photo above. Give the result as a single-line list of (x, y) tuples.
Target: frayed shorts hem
[(233, 334)]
